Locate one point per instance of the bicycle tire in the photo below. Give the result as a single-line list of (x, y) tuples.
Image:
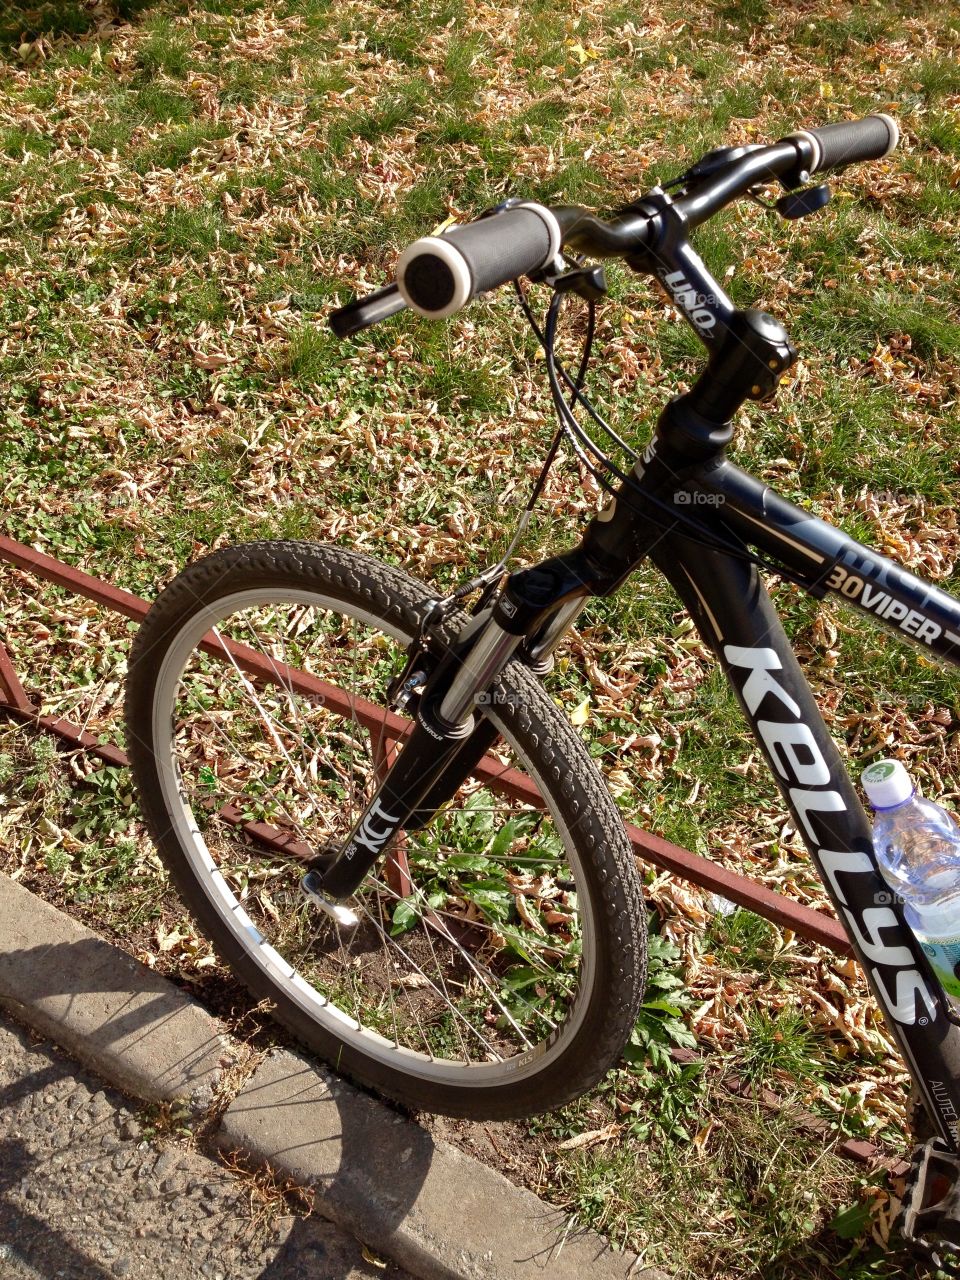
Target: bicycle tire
[(166, 720)]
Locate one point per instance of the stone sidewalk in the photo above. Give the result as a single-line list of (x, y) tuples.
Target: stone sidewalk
[(414, 1199), (87, 1194)]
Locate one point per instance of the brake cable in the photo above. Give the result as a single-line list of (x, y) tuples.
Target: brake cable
[(490, 576), (600, 470), (599, 466)]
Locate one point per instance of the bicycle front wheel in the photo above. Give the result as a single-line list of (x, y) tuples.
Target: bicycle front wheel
[(498, 964)]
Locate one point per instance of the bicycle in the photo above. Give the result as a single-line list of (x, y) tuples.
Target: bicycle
[(464, 928)]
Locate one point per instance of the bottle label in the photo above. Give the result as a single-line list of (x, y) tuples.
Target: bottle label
[(944, 957)]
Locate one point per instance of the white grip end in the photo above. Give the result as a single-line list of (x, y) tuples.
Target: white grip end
[(894, 131), (450, 256)]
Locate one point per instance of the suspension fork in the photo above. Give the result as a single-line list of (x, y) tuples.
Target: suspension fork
[(541, 602), (421, 778), (538, 605), (448, 739), (537, 654)]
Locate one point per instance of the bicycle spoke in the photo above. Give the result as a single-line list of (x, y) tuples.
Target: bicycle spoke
[(466, 955), (295, 823), (269, 723), (452, 1007), (429, 969), (282, 681)]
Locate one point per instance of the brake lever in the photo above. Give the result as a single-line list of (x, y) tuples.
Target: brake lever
[(589, 283), (795, 204), (798, 204)]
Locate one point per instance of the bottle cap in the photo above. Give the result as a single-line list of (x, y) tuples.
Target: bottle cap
[(887, 784)]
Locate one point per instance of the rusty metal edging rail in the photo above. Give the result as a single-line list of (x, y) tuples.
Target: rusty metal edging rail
[(802, 920)]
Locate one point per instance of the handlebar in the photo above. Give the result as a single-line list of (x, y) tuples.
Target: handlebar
[(440, 274), (437, 275)]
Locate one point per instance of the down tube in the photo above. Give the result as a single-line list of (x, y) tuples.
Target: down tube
[(734, 614)]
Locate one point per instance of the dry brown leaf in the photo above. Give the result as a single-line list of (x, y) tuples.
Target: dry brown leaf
[(590, 1139)]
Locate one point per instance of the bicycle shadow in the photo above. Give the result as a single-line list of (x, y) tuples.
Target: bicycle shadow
[(374, 1172), (24, 1237), (314, 1248), (56, 975), (134, 1003), (367, 1166)]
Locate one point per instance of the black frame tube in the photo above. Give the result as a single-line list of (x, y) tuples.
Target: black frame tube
[(733, 613), (827, 561), (735, 616)]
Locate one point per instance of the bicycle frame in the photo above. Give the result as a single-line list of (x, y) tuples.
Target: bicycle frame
[(684, 470), (735, 617)]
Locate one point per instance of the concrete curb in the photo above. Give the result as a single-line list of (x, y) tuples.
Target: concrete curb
[(436, 1211), (135, 1029), (419, 1201)]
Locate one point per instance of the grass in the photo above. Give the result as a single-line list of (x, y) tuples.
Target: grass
[(756, 1194), (742, 940), (184, 190)]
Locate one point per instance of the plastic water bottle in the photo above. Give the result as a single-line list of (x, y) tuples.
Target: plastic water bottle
[(917, 844)]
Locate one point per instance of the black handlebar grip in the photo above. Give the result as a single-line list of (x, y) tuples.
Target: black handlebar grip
[(851, 141), (440, 274)]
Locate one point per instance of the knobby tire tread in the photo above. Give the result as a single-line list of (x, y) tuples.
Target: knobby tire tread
[(545, 735)]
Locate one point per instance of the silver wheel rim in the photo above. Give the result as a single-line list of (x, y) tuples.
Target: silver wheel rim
[(229, 908)]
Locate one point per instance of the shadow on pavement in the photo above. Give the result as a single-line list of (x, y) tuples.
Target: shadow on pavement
[(366, 1164), (25, 1238), (323, 1131), (315, 1250), (136, 1003)]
